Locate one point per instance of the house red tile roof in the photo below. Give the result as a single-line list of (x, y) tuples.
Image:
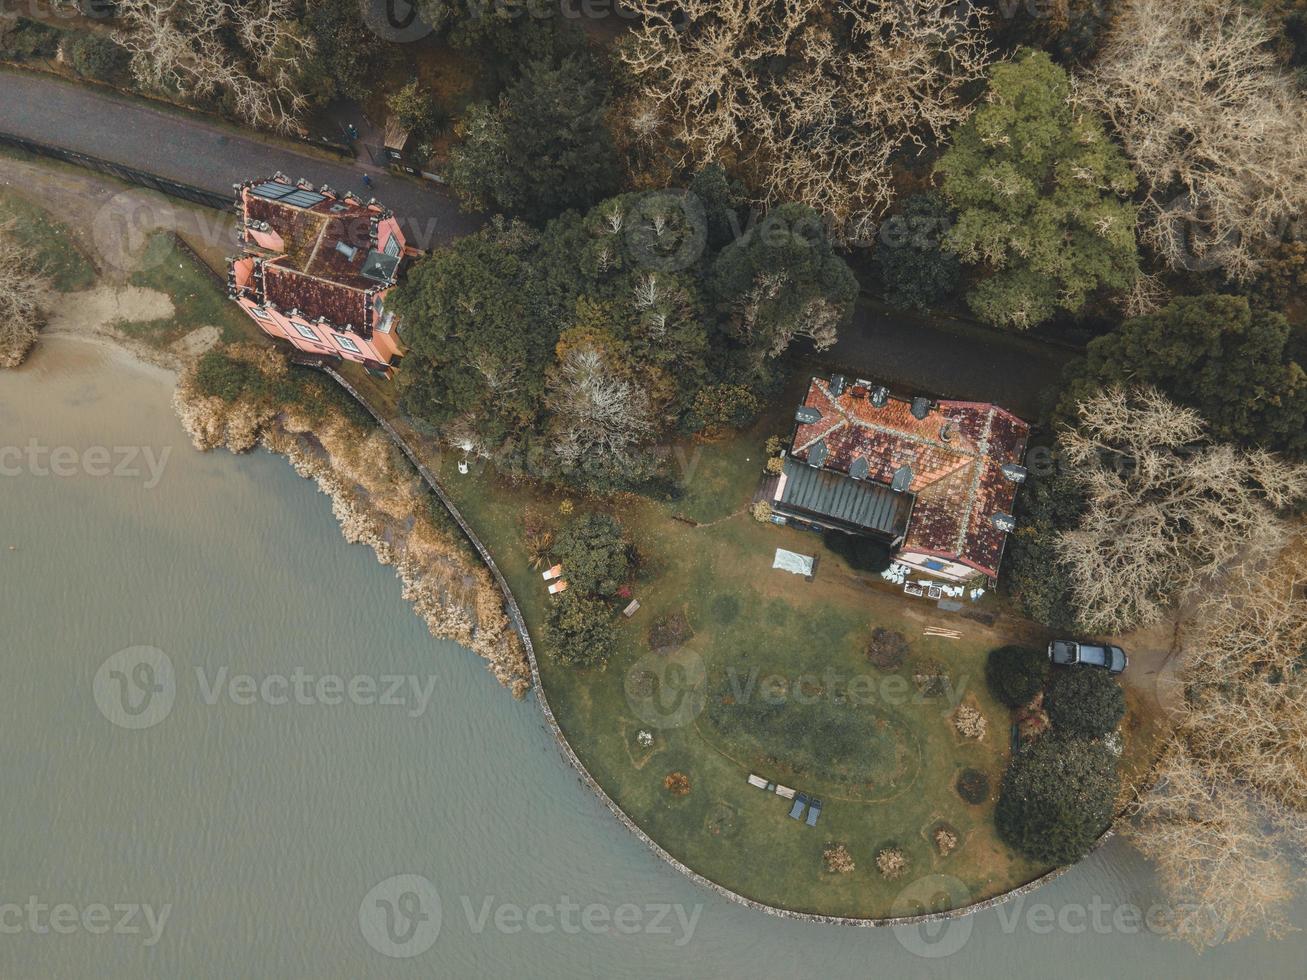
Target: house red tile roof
[(956, 453), (287, 289), (327, 239)]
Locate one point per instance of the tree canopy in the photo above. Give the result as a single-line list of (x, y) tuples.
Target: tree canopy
[(1084, 701), (1015, 674), (915, 269), (1165, 510), (1213, 353), (587, 341), (779, 281), (1042, 195), (814, 100), (1057, 798), (543, 148)]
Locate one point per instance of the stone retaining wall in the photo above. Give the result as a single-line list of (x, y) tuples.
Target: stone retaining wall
[(515, 615)]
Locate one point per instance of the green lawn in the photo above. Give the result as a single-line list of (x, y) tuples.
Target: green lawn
[(48, 241), (773, 681), (197, 299)]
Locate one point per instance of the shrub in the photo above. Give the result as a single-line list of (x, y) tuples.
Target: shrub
[(677, 783), (973, 786), (1085, 701), (1032, 572), (1057, 798), (97, 56), (761, 511), (669, 631), (27, 38), (580, 630), (887, 649), (721, 407), (946, 841), (969, 722), (931, 679), (891, 863), (1015, 674), (596, 558), (219, 375), (838, 859), (1032, 720)]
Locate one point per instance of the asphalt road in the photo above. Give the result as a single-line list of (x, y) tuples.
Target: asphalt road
[(955, 360), (185, 147)]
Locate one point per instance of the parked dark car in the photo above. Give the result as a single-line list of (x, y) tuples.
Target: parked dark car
[(1071, 653)]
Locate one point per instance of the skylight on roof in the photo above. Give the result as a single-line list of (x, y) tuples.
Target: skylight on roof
[(303, 199), (272, 190)]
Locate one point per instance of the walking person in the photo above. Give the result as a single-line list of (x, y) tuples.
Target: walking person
[(367, 181)]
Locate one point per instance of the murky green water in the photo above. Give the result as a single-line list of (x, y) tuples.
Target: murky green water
[(253, 817)]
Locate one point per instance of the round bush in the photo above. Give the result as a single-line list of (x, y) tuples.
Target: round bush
[(887, 649), (1085, 701), (97, 56), (1015, 674), (973, 786), (1057, 798)]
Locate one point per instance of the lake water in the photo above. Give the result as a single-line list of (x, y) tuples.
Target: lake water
[(254, 818)]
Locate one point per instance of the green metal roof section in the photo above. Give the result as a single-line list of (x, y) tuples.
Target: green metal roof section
[(853, 502)]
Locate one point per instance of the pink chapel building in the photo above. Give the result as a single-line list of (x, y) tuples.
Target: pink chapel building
[(315, 270)]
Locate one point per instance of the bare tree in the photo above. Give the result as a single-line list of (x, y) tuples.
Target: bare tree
[(248, 52), (1217, 133), (22, 292), (1226, 872), (1246, 702), (598, 414), (1229, 807), (1165, 509), (814, 97), (818, 321)]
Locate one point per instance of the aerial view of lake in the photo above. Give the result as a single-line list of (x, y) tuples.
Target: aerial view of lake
[(231, 750)]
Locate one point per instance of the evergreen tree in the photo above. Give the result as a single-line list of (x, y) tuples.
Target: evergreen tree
[(1042, 198)]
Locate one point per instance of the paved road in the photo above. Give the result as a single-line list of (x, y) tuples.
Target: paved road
[(187, 148), (956, 360), (950, 359)]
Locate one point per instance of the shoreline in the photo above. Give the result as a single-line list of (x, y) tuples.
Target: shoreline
[(124, 352)]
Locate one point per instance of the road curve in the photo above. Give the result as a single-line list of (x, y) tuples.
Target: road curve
[(951, 360), (186, 147)]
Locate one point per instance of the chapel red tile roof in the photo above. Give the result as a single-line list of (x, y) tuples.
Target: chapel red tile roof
[(956, 453)]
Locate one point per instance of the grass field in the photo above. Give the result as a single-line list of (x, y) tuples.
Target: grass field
[(49, 243), (197, 299), (772, 680)]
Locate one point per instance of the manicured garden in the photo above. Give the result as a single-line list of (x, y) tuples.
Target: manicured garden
[(730, 668)]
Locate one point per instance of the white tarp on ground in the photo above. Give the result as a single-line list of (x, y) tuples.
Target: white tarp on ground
[(792, 562)]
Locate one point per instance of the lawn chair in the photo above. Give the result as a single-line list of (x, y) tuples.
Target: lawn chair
[(796, 811), (553, 573), (559, 586), (814, 813)]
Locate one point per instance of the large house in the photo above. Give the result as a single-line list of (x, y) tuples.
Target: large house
[(316, 268), (934, 480)]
